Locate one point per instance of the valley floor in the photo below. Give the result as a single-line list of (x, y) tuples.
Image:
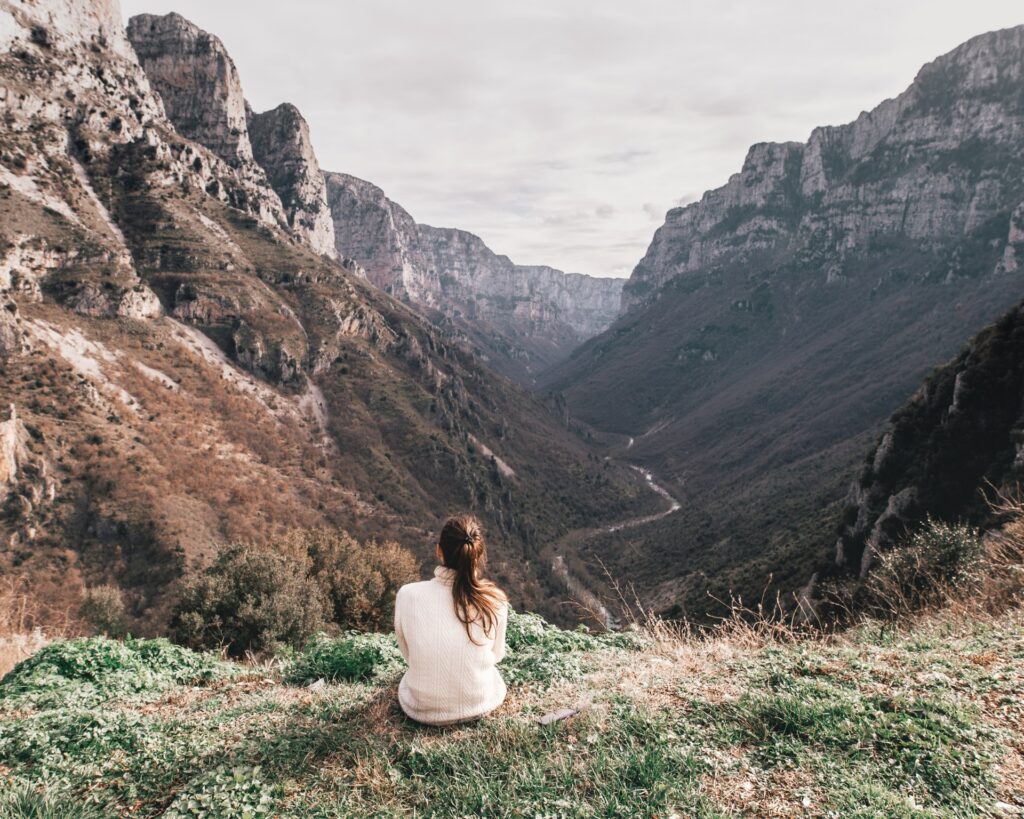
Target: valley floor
[(927, 721)]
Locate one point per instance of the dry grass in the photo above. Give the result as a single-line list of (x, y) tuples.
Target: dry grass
[(21, 613)]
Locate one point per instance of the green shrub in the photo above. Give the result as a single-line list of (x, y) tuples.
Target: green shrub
[(226, 793), (939, 562), (529, 630), (22, 801), (354, 657), (360, 580), (103, 608), (91, 669), (249, 599)]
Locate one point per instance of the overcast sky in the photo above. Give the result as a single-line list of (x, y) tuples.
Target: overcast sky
[(562, 130)]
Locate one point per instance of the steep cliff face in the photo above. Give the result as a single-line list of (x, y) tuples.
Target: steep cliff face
[(381, 235), (202, 94), (521, 318), (932, 165), (281, 145), (183, 372), (537, 297), (774, 325), (959, 437), (77, 109), (197, 80)]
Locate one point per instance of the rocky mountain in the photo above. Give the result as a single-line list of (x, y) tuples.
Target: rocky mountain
[(774, 325), (924, 166), (179, 369), (517, 319), (959, 438), (202, 94), (281, 145), (520, 319)]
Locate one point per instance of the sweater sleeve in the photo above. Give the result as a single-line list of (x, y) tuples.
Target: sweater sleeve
[(402, 645), (499, 634)]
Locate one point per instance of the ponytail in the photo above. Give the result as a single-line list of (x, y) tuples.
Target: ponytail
[(476, 600)]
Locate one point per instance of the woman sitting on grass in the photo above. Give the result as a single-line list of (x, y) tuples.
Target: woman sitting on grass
[(452, 633)]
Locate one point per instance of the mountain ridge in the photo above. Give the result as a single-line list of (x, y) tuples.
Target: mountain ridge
[(773, 326), (185, 370), (522, 318)]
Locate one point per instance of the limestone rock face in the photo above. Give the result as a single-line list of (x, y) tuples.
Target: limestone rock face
[(202, 93), (197, 80), (531, 315), (73, 20), (13, 453), (380, 235), (11, 336), (495, 289), (927, 166), (282, 146)]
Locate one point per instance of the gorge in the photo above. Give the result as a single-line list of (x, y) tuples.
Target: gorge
[(207, 337)]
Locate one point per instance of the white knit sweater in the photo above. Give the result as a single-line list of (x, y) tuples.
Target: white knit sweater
[(449, 678)]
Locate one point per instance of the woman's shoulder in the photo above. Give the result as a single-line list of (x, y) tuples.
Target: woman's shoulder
[(411, 589)]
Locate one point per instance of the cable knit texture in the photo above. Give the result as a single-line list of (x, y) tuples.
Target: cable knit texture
[(449, 678)]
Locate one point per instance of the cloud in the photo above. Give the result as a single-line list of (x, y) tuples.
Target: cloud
[(561, 132), (653, 211)]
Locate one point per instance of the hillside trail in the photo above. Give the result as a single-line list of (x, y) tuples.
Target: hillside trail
[(582, 593)]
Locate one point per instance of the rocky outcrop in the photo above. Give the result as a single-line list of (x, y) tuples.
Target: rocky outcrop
[(1013, 254), (202, 93), (11, 336), (932, 165), (539, 312), (961, 435), (381, 236), (197, 81), (56, 21), (13, 451), (281, 145)]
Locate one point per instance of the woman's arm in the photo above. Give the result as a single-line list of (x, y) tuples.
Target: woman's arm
[(402, 645), (499, 633)]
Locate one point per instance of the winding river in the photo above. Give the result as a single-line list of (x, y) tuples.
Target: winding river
[(576, 587)]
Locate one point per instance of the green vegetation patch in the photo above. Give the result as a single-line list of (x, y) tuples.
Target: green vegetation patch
[(877, 740), (883, 722), (90, 670), (354, 657), (626, 764), (227, 793), (541, 653)]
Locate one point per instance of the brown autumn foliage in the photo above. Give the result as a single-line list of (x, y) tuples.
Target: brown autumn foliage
[(359, 579)]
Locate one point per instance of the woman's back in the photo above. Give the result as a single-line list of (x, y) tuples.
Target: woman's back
[(451, 677)]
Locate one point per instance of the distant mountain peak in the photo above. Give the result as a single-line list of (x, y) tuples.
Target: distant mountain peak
[(524, 317)]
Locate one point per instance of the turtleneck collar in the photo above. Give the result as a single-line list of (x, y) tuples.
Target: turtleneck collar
[(445, 575)]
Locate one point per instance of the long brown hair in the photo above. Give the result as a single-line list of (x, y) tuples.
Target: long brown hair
[(476, 600)]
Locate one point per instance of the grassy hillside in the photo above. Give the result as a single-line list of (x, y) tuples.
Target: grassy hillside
[(877, 722)]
